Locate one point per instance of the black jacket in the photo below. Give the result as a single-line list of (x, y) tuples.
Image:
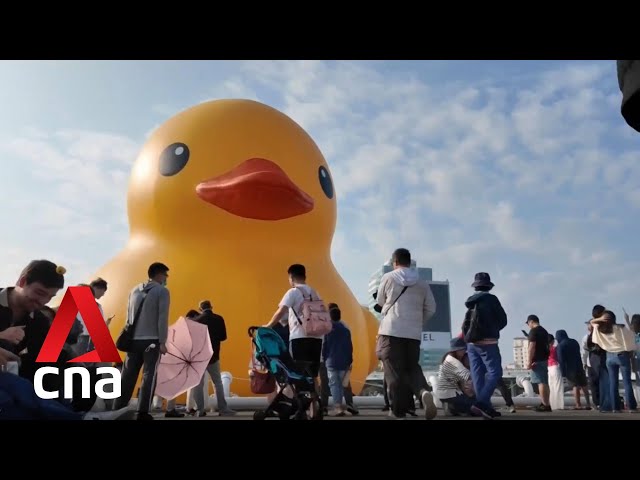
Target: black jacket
[(594, 348), (629, 83), (490, 314), (35, 333), (217, 331)]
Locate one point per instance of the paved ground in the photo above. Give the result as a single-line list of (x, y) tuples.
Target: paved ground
[(376, 414)]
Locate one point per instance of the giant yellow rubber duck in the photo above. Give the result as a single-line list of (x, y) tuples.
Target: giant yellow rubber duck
[(228, 194)]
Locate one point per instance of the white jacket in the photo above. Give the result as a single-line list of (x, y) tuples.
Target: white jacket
[(404, 318)]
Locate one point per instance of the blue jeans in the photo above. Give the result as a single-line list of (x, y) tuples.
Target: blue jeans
[(486, 371), (617, 362), (335, 385), (460, 404), (606, 404), (18, 401)]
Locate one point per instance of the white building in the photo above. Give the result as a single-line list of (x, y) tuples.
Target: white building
[(520, 352)]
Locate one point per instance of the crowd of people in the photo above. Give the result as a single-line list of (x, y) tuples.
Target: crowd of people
[(25, 320), (590, 369), (469, 373)]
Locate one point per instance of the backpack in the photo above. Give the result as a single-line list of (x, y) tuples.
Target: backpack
[(316, 320), (471, 329)]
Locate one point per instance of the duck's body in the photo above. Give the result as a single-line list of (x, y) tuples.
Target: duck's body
[(253, 197), (245, 294)]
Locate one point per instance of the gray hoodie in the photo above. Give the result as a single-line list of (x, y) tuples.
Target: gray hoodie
[(406, 317), (153, 322)]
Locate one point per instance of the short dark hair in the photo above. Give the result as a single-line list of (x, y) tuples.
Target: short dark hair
[(607, 327), (533, 318), (483, 288), (297, 271), (45, 272), (401, 256), (205, 305), (335, 314), (192, 314), (157, 268), (100, 283), (635, 323), (93, 292), (332, 305), (597, 311)]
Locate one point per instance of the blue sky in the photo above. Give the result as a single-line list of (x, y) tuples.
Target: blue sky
[(524, 169)]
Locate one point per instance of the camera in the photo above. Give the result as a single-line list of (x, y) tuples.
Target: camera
[(376, 307)]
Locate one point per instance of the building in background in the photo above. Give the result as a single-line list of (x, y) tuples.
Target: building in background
[(436, 334), (520, 352)]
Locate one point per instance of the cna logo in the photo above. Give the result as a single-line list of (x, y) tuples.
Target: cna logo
[(79, 300)]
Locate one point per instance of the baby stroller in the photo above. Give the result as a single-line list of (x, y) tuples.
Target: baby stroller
[(272, 352)]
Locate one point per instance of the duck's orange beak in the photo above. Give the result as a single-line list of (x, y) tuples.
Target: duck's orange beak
[(257, 189)]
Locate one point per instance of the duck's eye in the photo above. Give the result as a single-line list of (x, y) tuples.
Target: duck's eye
[(325, 182), (173, 159)]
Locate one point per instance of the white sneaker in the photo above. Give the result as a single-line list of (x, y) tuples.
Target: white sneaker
[(392, 416), (430, 410), (125, 413), (446, 409)]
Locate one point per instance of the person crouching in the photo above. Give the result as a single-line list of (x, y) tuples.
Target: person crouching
[(455, 388)]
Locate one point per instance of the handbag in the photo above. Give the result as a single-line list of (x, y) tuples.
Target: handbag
[(261, 380), (262, 383), (125, 339)]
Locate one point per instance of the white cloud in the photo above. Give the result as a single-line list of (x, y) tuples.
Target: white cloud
[(532, 181), (510, 230), (501, 167), (78, 214)]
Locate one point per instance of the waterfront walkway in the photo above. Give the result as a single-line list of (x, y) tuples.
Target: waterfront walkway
[(377, 414)]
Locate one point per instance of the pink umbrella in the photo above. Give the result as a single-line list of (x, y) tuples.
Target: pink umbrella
[(188, 353)]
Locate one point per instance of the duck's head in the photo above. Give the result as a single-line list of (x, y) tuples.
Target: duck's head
[(229, 168)]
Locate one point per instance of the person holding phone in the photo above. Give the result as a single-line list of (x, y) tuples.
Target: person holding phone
[(538, 361), (618, 342), (634, 325), (98, 289), (23, 326), (407, 304), (13, 335)]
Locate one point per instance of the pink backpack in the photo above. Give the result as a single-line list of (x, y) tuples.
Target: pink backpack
[(315, 320)]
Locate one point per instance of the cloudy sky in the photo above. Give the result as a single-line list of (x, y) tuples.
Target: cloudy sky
[(523, 169)]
